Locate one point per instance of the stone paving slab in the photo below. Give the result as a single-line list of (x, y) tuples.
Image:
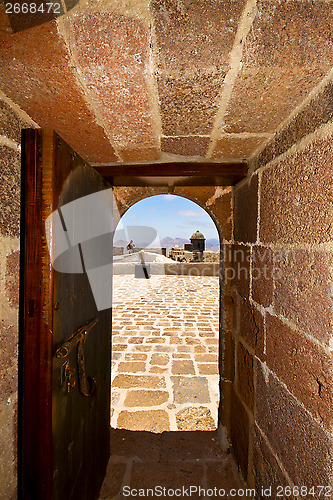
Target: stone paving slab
[(165, 353), (171, 460)]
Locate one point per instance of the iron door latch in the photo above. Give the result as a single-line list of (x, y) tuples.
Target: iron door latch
[(78, 339)]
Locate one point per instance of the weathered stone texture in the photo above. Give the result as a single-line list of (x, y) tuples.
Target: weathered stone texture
[(236, 261), (305, 368), (122, 44), (240, 432), (246, 211), (262, 275), (245, 375), (10, 124), (297, 197), (236, 148), (185, 146), (303, 291), (195, 418), (113, 480), (266, 470), (10, 192), (251, 326), (49, 92), (145, 398), (8, 446), (318, 112), (8, 361), (278, 72), (12, 278), (151, 420), (187, 33), (301, 444)]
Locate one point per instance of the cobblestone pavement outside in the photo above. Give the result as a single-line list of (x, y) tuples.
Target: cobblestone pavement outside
[(165, 353)]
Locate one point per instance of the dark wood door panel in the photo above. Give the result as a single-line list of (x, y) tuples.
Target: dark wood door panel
[(65, 434)]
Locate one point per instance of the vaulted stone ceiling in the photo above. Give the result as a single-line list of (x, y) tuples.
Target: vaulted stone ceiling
[(140, 80)]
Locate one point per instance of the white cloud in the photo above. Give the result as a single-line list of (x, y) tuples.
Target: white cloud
[(190, 213), (198, 223), (169, 197)]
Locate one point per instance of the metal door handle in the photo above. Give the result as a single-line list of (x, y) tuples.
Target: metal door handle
[(78, 339)]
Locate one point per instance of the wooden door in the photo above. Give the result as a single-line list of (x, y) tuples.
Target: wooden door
[(65, 404)]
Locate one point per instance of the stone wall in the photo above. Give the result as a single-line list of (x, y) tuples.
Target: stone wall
[(278, 307), (12, 120)]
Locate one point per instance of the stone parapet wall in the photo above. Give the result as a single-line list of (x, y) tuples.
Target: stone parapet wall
[(179, 269), (278, 317)]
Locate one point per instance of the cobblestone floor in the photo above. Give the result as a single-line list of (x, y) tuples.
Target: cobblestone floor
[(165, 353)]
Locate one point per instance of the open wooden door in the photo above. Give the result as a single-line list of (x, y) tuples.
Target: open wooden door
[(65, 407)]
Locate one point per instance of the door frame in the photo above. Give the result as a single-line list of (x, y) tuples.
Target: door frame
[(36, 298)]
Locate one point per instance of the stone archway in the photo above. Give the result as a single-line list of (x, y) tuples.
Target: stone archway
[(218, 203)]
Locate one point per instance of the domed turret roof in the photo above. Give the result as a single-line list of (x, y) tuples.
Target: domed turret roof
[(197, 236)]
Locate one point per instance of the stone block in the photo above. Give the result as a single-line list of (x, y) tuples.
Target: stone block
[(8, 361), (266, 470), (246, 211), (159, 359), (175, 25), (132, 356), (114, 478), (13, 278), (195, 419), (228, 356), (190, 390), (169, 475), (208, 368), (8, 447), (206, 358), (236, 148), (299, 442), (222, 208), (124, 381), (245, 375), (296, 197), (122, 43), (222, 475), (49, 93), (10, 192), (262, 275), (10, 123), (144, 446), (302, 294), (317, 112), (185, 146), (236, 271), (182, 446), (239, 432), (283, 91), (182, 367), (250, 326), (131, 366), (145, 398), (150, 420), (304, 366)]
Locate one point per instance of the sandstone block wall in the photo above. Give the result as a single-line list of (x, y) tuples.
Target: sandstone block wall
[(278, 337)]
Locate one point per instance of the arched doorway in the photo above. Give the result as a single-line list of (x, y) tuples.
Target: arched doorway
[(165, 331)]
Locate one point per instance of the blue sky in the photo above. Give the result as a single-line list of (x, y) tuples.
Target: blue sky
[(170, 215)]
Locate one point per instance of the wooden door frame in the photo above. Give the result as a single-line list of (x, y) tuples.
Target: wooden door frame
[(35, 387), (36, 298), (47, 162)]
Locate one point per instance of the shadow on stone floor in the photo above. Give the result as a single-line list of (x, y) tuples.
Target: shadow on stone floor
[(173, 460)]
